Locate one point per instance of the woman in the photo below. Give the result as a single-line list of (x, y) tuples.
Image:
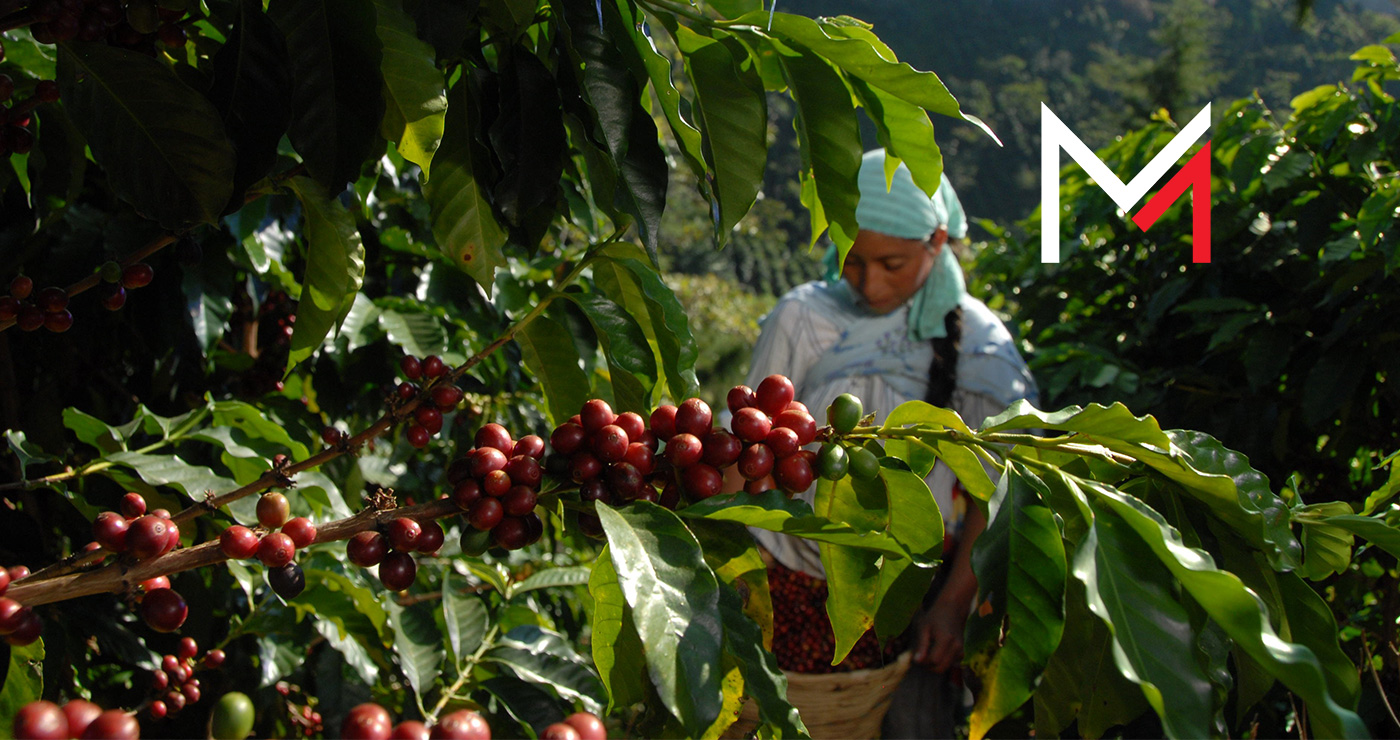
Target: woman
[(899, 325)]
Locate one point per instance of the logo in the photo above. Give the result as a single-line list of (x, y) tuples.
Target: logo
[(1195, 174)]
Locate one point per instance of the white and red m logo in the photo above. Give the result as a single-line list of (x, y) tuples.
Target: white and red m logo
[(1055, 135)]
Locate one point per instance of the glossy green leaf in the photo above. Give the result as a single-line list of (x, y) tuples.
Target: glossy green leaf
[(617, 649), (669, 323), (1326, 547), (764, 681), (463, 224), (1310, 623), (1386, 492), (675, 604), (1152, 639), (351, 650), (775, 512), (1239, 612), (572, 575), (828, 134), (626, 349), (916, 523), (337, 102), (1020, 565), (733, 555), (903, 129), (417, 644), (24, 680), (1373, 528), (414, 96), (335, 268), (26, 452), (251, 421), (545, 657), (852, 575), (161, 143), (1094, 422), (252, 91), (170, 470), (1081, 682), (419, 334), (921, 454), (658, 69), (734, 122), (464, 615), (93, 431), (549, 353), (528, 704), (528, 137), (353, 608)]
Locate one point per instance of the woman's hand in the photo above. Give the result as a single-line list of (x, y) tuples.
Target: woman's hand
[(938, 642)]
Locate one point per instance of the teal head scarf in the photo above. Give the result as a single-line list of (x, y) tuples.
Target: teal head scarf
[(903, 210)]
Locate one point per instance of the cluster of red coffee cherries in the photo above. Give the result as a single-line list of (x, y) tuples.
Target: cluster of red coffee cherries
[(496, 484), (44, 720), (803, 641), (48, 308), (371, 721), (174, 686), (135, 26), (302, 717), (275, 549), (19, 625), (427, 418), (143, 536), (392, 550), (15, 134)]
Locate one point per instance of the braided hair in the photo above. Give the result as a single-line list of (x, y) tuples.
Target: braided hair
[(943, 371)]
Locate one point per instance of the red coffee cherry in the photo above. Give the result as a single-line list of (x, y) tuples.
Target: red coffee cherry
[(640, 457), (466, 493), (301, 530), (42, 720), (486, 459), (172, 537), (403, 534), (157, 709), (626, 481), (30, 317), (510, 533), (701, 481), (756, 461), (794, 474), (567, 438), (588, 725), (18, 571), (214, 658), (524, 470), (721, 448), (740, 397), (113, 724), (171, 666), (113, 297), (9, 307), (164, 610), (161, 514), (138, 275), (133, 505), (187, 648), (584, 466), (29, 628), (531, 445), (434, 367), (596, 414), (560, 731), (52, 299), (411, 367), (486, 513), (151, 584), (800, 422), (273, 510), (496, 483), (366, 549), (80, 713), (147, 536), (595, 490), (663, 421), (429, 417), (461, 725), (276, 550), (417, 436), (405, 391), (238, 542), (4, 581), (774, 394), (109, 529), (496, 437), (783, 442), (610, 443), (446, 396), (684, 450), (632, 423), (367, 722), (21, 286), (191, 691), (398, 571), (59, 321), (693, 416), (410, 730), (175, 701), (430, 541), (519, 500), (751, 424), (670, 496)]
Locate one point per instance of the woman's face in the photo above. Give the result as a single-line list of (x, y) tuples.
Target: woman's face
[(886, 271)]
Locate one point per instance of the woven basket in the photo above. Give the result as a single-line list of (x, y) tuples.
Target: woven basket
[(835, 705)]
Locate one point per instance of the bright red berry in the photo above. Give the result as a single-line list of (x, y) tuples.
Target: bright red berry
[(301, 530), (238, 542), (276, 550), (138, 275), (164, 610)]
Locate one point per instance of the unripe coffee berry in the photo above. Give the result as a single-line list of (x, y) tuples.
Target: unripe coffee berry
[(273, 510)]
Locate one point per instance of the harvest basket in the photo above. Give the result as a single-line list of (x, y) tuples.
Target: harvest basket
[(836, 705)]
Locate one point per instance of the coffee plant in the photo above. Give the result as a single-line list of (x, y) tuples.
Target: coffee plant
[(299, 462)]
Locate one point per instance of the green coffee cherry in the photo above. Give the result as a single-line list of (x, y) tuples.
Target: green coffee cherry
[(832, 461), (232, 718), (844, 413), (475, 541), (864, 465)]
